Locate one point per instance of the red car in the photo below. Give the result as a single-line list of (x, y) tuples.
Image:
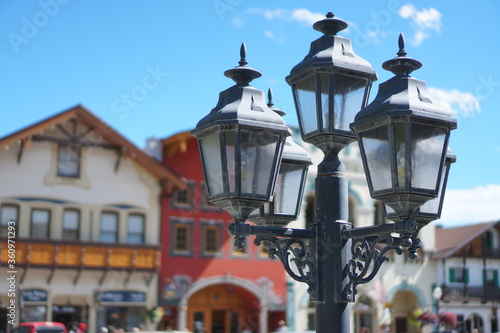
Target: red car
[(40, 327)]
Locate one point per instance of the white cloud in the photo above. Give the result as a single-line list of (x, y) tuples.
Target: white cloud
[(458, 103), (269, 34), (305, 16), (428, 19), (300, 15), (479, 204), (238, 23), (423, 22)]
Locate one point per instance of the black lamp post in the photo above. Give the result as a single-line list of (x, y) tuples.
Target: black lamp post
[(403, 138)]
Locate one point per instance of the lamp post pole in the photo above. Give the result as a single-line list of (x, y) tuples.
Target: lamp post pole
[(254, 172), (332, 251)]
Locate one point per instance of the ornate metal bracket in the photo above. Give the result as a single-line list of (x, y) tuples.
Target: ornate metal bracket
[(289, 247), (367, 259), (290, 251)]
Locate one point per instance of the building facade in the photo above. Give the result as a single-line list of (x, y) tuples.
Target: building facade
[(206, 285), (80, 214), (467, 269)]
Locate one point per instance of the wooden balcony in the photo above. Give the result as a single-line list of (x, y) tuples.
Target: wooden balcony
[(82, 255)]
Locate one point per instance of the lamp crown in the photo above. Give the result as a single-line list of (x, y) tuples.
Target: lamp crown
[(243, 74), (401, 65), (330, 25)]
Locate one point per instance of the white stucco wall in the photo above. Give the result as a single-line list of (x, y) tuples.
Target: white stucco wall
[(101, 187)]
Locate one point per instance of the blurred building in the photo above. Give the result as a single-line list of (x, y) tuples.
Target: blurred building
[(80, 215), (468, 264)]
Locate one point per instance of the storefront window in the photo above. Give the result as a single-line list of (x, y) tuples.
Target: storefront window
[(33, 313), (122, 317)]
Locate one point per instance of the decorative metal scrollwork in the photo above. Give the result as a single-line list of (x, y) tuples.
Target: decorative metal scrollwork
[(366, 255), (290, 251)]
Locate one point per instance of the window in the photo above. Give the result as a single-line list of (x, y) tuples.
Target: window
[(135, 233), (490, 277), (109, 227), (459, 275), (40, 221), (181, 237), (183, 198), (8, 213), (68, 161), (211, 239), (489, 240), (71, 224)]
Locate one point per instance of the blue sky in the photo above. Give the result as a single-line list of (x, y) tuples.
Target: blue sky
[(154, 68)]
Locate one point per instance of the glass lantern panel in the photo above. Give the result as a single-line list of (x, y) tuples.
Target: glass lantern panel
[(258, 151), (288, 188), (432, 206), (348, 99), (375, 145), (400, 153), (428, 149), (212, 165), (232, 168), (324, 88), (305, 97)]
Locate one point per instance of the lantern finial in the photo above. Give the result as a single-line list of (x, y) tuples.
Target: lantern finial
[(243, 74), (401, 65), (243, 55), (401, 44), (330, 25)]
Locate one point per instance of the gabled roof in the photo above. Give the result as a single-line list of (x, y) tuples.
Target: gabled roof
[(110, 138), (451, 240)]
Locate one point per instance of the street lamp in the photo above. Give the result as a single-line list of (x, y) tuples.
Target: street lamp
[(437, 293), (330, 86), (241, 143), (289, 189), (403, 139)]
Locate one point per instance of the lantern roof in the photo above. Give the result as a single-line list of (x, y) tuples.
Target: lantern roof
[(403, 93), (331, 50), (242, 104)]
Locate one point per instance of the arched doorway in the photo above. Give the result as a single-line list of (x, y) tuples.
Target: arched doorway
[(403, 303), (219, 309), (223, 304), (474, 321)]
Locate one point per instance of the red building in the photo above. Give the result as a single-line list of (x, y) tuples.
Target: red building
[(206, 285)]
